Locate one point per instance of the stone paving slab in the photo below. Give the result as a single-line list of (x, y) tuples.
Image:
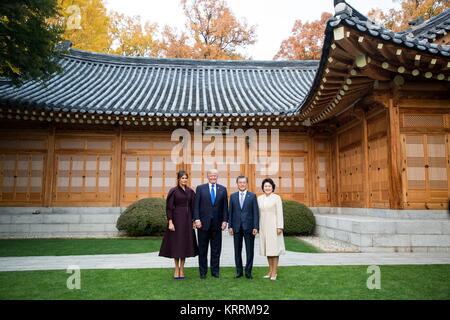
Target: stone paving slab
[(152, 260)]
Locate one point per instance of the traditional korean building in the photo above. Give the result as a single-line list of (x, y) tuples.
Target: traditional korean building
[(367, 127)]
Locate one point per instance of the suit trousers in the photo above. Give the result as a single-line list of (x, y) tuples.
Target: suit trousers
[(205, 237), (238, 238)]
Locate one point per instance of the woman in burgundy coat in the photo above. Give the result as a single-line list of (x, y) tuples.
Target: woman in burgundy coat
[(179, 239)]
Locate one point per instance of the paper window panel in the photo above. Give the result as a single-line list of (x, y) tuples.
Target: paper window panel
[(71, 144), (170, 174), (138, 145), (130, 184), (157, 175), (299, 174), (100, 144), (63, 180), (285, 175), (163, 145), (196, 175), (36, 184)]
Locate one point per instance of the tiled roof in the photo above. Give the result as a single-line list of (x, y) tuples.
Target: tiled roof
[(433, 28), (348, 17), (107, 84), (405, 38), (116, 85)]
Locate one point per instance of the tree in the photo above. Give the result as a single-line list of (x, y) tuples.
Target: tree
[(216, 32), (397, 20), (175, 45), (87, 24), (28, 42), (306, 41), (131, 38)]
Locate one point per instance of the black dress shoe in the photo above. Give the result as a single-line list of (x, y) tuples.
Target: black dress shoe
[(215, 275), (238, 275), (248, 276), (203, 276)]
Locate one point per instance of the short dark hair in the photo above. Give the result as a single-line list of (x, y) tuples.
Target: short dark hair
[(241, 177), (269, 181)]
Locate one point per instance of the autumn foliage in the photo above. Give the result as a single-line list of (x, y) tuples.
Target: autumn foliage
[(398, 20), (212, 30), (306, 41)]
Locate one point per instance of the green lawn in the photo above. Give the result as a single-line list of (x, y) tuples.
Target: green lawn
[(61, 247), (318, 282), (298, 245)]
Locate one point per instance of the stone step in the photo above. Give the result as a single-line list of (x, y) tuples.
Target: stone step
[(374, 234), (60, 210), (58, 222), (383, 213)]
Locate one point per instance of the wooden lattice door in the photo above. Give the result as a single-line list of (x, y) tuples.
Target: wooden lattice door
[(426, 170), (22, 177)]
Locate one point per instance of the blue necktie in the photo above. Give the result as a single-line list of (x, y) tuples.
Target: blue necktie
[(213, 194)]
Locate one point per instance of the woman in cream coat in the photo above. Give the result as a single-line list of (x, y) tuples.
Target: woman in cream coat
[(271, 227)]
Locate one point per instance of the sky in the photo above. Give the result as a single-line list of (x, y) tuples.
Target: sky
[(274, 19)]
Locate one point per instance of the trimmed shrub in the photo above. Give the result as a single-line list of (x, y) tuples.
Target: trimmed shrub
[(298, 219), (145, 217)]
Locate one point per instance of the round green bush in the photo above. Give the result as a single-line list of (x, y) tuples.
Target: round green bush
[(145, 217), (298, 219)]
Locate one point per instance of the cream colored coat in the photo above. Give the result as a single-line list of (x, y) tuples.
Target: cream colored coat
[(270, 219)]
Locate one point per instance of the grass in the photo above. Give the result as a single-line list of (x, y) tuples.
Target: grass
[(307, 282), (297, 245), (62, 247)]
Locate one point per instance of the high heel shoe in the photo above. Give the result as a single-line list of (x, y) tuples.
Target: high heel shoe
[(267, 276), (274, 277)]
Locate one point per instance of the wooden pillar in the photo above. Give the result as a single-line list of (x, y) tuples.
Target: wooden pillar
[(50, 168), (311, 169), (365, 154), (335, 191), (394, 156), (117, 169)]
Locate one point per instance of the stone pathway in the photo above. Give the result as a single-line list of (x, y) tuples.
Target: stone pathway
[(152, 260)]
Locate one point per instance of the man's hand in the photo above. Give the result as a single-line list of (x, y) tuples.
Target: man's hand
[(198, 224), (230, 230), (255, 232), (224, 225), (279, 231)]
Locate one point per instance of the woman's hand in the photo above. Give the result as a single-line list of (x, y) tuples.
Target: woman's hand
[(279, 231), (171, 226)]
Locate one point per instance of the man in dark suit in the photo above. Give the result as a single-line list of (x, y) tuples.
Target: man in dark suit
[(243, 224), (210, 218)]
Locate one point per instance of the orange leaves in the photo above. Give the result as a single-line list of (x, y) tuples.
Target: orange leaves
[(306, 41)]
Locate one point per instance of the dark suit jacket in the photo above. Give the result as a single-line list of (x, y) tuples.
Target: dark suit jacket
[(248, 216), (211, 215)]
